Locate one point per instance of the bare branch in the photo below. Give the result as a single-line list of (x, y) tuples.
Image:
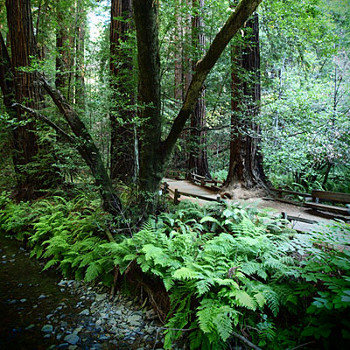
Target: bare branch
[(246, 341), (46, 120)]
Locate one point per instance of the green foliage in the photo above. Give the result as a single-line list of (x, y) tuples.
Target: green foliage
[(226, 269), (66, 233), (218, 264), (328, 268)]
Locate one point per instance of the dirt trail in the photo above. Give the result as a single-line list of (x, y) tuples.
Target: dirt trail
[(252, 200)]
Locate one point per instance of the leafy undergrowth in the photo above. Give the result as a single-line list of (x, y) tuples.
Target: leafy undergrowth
[(233, 275)]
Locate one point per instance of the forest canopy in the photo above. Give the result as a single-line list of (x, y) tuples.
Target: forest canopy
[(273, 110)]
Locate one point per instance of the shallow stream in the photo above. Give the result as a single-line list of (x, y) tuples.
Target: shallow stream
[(38, 310)]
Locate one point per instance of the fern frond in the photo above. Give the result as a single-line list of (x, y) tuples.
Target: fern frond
[(93, 271), (185, 273), (244, 299)]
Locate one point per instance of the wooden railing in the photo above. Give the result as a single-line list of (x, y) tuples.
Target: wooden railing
[(177, 194), (214, 183)]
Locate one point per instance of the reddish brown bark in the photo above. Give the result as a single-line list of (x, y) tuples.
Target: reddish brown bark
[(198, 160), (123, 158), (23, 46), (246, 167)]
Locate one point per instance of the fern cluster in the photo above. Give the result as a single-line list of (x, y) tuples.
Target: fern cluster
[(218, 263), (227, 270), (66, 233)]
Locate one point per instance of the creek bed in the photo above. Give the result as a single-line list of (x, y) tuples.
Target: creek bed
[(39, 310)]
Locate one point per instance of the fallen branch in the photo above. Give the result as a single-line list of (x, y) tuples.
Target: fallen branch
[(246, 341)]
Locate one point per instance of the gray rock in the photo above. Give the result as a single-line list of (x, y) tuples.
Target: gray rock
[(134, 320), (151, 315), (31, 326), (42, 296), (47, 336), (104, 315), (103, 337), (77, 330), (85, 312), (71, 339), (100, 297), (95, 347), (48, 328), (98, 323)]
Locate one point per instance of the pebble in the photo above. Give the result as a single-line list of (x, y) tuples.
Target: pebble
[(63, 346), (48, 328), (85, 312), (72, 339), (100, 297), (42, 296)]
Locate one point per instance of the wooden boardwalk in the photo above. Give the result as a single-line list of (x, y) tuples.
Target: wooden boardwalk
[(275, 207)]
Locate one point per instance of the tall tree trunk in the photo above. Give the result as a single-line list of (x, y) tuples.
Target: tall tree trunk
[(64, 42), (245, 157), (178, 70), (155, 153), (123, 134), (198, 160), (79, 65), (151, 157), (85, 145), (22, 42)]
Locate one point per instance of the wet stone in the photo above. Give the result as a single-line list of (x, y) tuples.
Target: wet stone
[(71, 339), (85, 312), (48, 328)]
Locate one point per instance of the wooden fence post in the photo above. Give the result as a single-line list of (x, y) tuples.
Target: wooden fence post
[(176, 196)]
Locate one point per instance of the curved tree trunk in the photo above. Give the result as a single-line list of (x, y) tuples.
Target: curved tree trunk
[(154, 153)]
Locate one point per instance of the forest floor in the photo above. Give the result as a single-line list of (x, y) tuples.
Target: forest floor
[(250, 199)]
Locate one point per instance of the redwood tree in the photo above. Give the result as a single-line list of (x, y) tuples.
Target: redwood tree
[(124, 160), (154, 152), (245, 167), (23, 89), (198, 160)]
